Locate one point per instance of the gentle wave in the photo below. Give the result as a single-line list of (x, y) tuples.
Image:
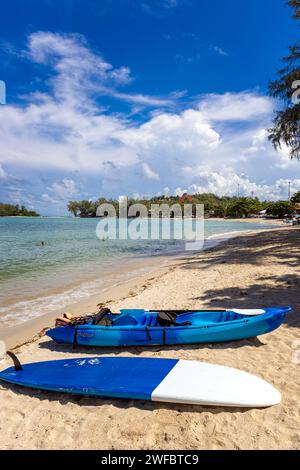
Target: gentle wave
[(29, 309)]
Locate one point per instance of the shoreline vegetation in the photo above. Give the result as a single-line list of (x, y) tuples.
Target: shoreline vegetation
[(9, 210), (251, 270), (214, 206)]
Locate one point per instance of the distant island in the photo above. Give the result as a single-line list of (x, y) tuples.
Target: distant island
[(214, 206), (9, 210)]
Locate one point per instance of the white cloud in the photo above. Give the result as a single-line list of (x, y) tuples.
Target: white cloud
[(64, 189), (73, 61), (180, 192), (148, 173), (168, 134), (145, 100), (48, 199), (3, 174), (258, 142), (81, 72), (231, 184), (213, 145), (60, 192), (242, 106)]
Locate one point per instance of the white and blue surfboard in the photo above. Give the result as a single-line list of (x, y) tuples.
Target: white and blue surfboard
[(163, 380)]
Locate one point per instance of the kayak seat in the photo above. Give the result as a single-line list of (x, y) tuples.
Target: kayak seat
[(130, 320), (125, 320), (229, 316)]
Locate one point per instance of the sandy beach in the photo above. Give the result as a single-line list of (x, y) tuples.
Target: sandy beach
[(252, 270)]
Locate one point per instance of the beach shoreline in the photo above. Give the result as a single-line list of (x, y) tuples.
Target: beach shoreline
[(20, 333), (257, 269), (36, 279)]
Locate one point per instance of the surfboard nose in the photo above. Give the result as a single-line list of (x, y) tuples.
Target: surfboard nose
[(274, 396), (210, 384), (265, 394)]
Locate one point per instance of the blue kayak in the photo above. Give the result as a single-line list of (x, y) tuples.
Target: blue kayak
[(142, 328)]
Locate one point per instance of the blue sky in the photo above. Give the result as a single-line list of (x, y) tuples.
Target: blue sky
[(140, 97)]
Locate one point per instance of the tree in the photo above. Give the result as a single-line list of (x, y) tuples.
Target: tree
[(296, 198), (73, 208), (279, 209), (243, 207), (286, 124), (87, 208)]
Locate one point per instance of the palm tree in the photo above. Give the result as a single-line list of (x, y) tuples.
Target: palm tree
[(286, 124)]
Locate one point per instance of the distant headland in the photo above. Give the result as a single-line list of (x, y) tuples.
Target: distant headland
[(10, 210)]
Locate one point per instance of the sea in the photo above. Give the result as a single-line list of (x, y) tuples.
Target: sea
[(47, 263)]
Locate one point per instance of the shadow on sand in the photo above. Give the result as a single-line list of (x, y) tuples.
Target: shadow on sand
[(91, 401), (267, 291), (138, 350), (280, 245), (284, 291)]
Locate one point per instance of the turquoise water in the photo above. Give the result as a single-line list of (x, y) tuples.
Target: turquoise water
[(48, 263)]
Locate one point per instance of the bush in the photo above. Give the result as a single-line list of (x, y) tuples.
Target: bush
[(280, 209)]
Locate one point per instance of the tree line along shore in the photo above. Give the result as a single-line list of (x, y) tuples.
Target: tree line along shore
[(214, 206), (10, 210)]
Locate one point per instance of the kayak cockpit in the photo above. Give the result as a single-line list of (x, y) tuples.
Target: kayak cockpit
[(151, 319)]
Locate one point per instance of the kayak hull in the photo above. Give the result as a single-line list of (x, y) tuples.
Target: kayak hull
[(202, 330)]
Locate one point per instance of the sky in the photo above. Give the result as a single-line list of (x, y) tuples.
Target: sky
[(137, 97)]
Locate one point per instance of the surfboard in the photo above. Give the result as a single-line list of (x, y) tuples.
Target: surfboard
[(162, 380)]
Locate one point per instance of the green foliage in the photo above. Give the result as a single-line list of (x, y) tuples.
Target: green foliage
[(244, 207), (296, 198), (11, 210), (279, 209), (286, 124), (296, 5), (214, 206), (73, 207)]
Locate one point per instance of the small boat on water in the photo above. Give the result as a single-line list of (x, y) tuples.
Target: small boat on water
[(145, 328)]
